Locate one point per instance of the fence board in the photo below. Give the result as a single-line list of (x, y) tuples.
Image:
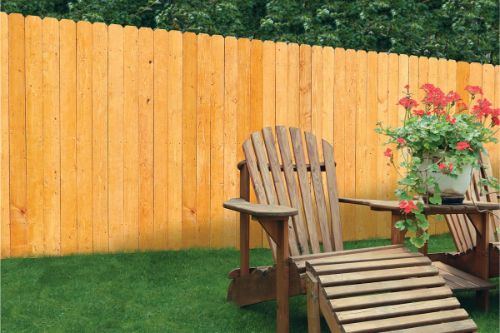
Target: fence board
[(131, 138), (217, 230), (362, 133), (372, 154), (203, 143), (281, 57), (17, 138), (161, 120), (189, 100), (231, 180), (100, 137), (174, 143), (305, 113), (292, 117), (117, 138), (383, 116), (84, 137), (4, 137), (395, 89), (146, 128), (34, 134), (68, 77)]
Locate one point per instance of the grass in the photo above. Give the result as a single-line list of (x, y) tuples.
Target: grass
[(172, 291)]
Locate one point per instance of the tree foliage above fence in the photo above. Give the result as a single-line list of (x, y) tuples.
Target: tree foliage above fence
[(457, 29)]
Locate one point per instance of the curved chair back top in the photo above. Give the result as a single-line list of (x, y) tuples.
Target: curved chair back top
[(283, 172)]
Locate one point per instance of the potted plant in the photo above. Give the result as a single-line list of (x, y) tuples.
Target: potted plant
[(440, 141)]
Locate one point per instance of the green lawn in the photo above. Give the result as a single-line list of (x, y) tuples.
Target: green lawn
[(173, 291)]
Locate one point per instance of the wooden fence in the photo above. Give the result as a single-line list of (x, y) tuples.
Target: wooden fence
[(116, 138)]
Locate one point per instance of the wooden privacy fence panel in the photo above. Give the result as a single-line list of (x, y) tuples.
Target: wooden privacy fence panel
[(116, 138)]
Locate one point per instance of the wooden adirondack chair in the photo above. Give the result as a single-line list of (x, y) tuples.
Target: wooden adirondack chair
[(298, 207), (463, 231)]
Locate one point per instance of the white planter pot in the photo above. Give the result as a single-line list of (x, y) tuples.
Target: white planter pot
[(449, 186)]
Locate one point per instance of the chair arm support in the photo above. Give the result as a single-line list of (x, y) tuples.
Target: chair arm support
[(260, 211)]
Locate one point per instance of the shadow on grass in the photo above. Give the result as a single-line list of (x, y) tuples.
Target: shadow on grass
[(171, 291)]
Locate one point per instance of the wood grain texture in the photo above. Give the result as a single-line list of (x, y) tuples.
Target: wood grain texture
[(189, 100), (146, 138), (203, 142), (100, 186), (130, 138), (34, 133), (160, 139), (68, 115), (84, 137), (174, 142), (217, 234), (115, 137), (51, 137), (17, 138), (4, 137), (143, 131), (231, 180)]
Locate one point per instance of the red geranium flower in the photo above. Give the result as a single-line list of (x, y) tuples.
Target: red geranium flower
[(445, 168), (401, 141), (388, 152), (452, 120), (482, 108), (473, 90), (407, 102), (453, 97), (419, 113), (462, 145), (495, 120), (407, 205)]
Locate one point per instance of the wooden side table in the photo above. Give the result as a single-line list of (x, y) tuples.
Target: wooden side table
[(477, 263)]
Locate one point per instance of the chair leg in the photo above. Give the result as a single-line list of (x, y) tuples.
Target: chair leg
[(313, 313), (282, 278)]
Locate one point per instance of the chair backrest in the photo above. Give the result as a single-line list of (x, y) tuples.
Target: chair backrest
[(461, 228), (280, 175)]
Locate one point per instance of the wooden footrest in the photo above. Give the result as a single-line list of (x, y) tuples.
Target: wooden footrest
[(394, 291)]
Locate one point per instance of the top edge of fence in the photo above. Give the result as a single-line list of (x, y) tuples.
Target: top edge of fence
[(248, 38)]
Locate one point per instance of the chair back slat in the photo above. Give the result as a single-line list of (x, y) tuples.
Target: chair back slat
[(292, 182), (262, 163), (333, 196), (258, 186), (461, 228), (253, 170), (490, 196), (319, 194), (305, 189), (453, 226), (292, 187), (277, 176)]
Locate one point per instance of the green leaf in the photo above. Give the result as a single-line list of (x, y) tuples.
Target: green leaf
[(436, 199), (400, 225)]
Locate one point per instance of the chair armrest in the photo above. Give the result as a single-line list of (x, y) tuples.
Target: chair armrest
[(259, 210), (362, 202)]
